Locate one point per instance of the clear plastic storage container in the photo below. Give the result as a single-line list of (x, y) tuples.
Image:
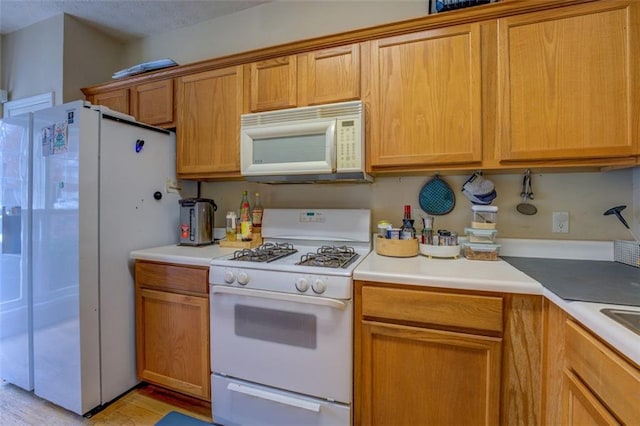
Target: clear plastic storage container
[(475, 251), (481, 235), (484, 217)]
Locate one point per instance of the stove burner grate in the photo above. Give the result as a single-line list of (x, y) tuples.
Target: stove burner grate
[(329, 257), (267, 252)]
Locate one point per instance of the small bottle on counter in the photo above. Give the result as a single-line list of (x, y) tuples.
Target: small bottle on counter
[(256, 214), (231, 226), (407, 232), (246, 226)]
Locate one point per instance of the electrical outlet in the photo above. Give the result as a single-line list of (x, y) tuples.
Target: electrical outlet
[(560, 222)]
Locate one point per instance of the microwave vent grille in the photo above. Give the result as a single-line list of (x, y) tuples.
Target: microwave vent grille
[(343, 109)]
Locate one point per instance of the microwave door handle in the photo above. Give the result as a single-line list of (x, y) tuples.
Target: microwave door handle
[(309, 300), (270, 396)]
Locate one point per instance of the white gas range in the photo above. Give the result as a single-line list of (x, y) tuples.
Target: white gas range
[(282, 320)]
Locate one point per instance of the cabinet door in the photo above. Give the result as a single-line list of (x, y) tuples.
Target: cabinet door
[(581, 407), (329, 75), (117, 100), (152, 103), (172, 341), (413, 375), (208, 124), (568, 82), (273, 84), (425, 98), (610, 378)]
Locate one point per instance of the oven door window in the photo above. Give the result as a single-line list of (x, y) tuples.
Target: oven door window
[(271, 325)]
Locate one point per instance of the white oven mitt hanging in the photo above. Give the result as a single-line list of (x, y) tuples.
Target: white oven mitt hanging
[(479, 190)]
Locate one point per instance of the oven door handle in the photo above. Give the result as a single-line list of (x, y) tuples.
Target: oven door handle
[(270, 396), (310, 300)]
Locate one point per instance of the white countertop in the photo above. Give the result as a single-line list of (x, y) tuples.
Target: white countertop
[(184, 255), (448, 273), (461, 273)]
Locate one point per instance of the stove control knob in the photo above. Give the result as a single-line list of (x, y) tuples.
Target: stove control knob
[(319, 286), (229, 277), (243, 278), (302, 284)]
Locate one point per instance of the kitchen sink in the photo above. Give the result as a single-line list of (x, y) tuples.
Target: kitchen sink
[(630, 319)]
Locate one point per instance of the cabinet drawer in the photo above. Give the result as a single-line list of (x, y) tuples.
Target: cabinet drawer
[(615, 381), (428, 307), (172, 277)]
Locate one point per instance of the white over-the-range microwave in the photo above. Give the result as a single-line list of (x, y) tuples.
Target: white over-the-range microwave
[(320, 143)]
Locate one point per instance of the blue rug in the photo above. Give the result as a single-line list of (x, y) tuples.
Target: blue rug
[(177, 419)]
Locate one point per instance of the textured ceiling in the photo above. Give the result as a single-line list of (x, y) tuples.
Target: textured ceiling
[(121, 19)]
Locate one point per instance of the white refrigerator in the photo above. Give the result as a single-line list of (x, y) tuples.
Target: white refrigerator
[(80, 188)]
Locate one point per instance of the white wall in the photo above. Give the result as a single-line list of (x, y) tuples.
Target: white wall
[(90, 57), (59, 55), (270, 24), (32, 60)]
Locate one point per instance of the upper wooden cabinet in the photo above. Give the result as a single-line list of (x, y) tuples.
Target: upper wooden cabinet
[(424, 98), (568, 83), (329, 75), (208, 123), (150, 103), (273, 84), (117, 100), (317, 77)]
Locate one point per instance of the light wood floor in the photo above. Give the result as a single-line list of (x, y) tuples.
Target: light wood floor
[(142, 406)]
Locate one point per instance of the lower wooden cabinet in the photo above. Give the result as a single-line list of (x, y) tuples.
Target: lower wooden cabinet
[(581, 407), (172, 327), (426, 357), (436, 356), (600, 385), (585, 381), (418, 375)]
